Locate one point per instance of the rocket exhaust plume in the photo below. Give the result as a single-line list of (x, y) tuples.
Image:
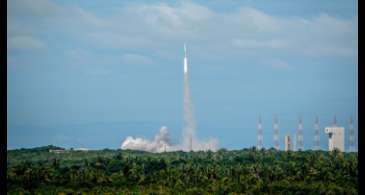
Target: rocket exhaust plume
[(189, 126), (161, 142), (190, 141)]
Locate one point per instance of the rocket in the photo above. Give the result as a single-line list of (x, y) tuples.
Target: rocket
[(185, 61)]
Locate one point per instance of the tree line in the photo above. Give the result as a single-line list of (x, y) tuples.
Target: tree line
[(247, 171)]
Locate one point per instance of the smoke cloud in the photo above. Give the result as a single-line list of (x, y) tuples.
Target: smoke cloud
[(162, 143)]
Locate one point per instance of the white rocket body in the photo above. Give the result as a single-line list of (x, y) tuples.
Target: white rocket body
[(185, 61)]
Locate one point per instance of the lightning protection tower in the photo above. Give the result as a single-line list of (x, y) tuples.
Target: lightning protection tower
[(190, 143), (295, 142), (300, 134), (351, 135), (259, 134), (276, 133), (316, 135)]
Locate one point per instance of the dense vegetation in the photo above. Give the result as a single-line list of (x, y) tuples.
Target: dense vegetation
[(224, 172)]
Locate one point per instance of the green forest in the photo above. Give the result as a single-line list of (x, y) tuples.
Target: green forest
[(246, 171)]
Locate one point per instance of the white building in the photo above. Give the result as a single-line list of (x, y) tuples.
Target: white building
[(336, 138)]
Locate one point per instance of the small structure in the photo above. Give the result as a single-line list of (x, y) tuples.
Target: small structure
[(57, 151), (287, 143)]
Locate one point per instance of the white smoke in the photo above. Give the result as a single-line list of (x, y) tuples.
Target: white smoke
[(161, 143)]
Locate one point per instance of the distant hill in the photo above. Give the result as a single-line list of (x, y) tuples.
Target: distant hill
[(42, 148)]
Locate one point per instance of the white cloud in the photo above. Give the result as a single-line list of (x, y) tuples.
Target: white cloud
[(260, 44), (105, 39), (161, 26), (256, 19), (29, 8), (88, 18), (24, 43)]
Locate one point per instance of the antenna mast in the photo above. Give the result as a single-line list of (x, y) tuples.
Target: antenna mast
[(190, 143), (316, 135), (295, 142), (276, 133), (259, 134), (300, 134), (351, 137)]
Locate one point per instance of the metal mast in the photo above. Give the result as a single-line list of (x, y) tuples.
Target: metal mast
[(316, 135), (276, 133), (351, 136), (259, 134), (190, 143), (300, 134), (295, 142)]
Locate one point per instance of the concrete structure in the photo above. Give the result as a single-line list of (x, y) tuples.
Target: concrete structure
[(336, 138), (287, 143)]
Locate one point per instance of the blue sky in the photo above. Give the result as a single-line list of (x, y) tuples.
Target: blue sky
[(90, 73)]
